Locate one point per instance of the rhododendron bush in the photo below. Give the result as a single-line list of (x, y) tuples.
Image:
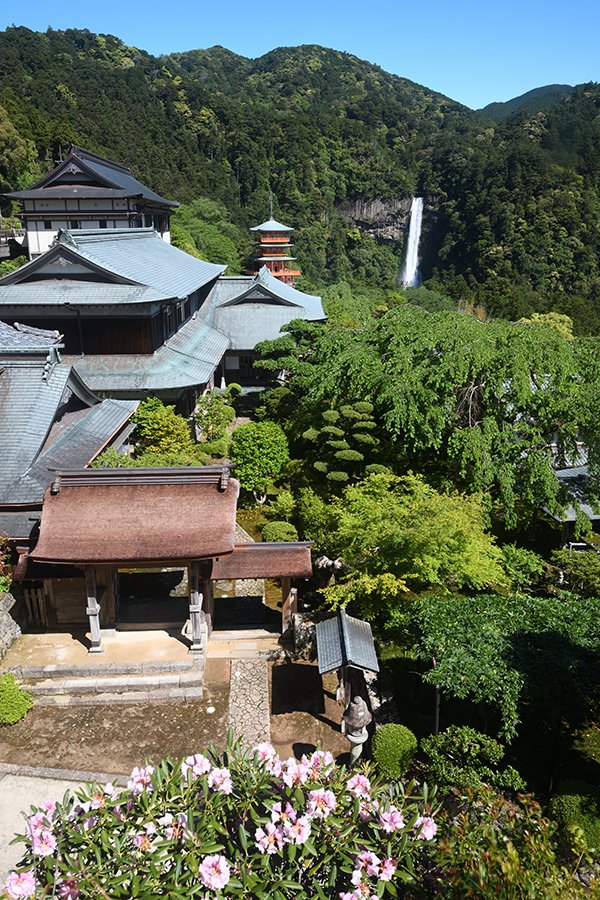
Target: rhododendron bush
[(246, 824)]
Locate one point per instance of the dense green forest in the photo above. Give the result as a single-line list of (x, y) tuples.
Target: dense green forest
[(512, 210)]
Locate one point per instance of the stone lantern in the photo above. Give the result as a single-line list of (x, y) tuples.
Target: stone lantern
[(356, 718)]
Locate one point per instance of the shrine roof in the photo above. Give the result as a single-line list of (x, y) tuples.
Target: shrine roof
[(82, 191), (132, 516), (26, 339), (110, 174), (79, 293), (186, 359), (254, 308), (76, 446), (345, 641), (135, 255), (264, 560)]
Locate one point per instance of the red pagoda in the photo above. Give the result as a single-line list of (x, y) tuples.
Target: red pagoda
[(274, 246)]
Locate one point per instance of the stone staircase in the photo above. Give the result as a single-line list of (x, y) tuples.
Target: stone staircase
[(63, 685)]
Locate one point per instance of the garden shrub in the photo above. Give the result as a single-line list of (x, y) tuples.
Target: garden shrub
[(244, 824), (500, 849), (218, 448), (461, 757), (393, 748), (15, 703), (5, 568), (578, 803), (279, 531)]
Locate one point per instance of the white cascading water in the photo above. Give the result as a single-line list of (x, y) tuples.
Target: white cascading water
[(410, 270)]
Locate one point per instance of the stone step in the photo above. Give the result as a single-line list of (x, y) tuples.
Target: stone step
[(94, 670), (155, 695), (114, 684), (245, 634), (118, 688)]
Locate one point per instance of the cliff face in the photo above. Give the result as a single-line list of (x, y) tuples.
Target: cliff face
[(386, 220)]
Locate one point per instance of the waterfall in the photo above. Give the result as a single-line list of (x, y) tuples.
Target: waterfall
[(410, 270)]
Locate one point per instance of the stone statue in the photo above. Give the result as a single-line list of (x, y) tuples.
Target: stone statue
[(356, 718)]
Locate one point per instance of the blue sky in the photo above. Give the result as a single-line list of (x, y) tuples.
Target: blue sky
[(474, 52)]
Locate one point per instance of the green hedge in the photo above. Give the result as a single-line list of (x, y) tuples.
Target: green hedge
[(279, 531), (393, 748), (14, 702)]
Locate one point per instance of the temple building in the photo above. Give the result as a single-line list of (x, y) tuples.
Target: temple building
[(128, 305), (87, 191), (251, 309), (138, 316), (274, 246)]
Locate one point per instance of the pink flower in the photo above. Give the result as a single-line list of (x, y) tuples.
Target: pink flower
[(214, 872), (368, 861), (68, 890), (43, 843), (320, 764), (198, 765), (294, 772), (388, 868), (38, 822), (274, 767), (359, 786), (220, 780), (50, 807), (264, 751), (269, 839), (20, 885), (140, 779), (320, 803), (297, 832), (286, 815), (391, 820), (173, 828), (427, 829)]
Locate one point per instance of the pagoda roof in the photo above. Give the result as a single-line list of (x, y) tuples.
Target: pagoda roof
[(109, 174), (271, 225), (134, 256)]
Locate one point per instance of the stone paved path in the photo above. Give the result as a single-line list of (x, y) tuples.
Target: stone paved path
[(249, 703)]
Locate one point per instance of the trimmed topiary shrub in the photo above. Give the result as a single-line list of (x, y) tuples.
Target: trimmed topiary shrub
[(461, 757), (393, 749), (578, 803), (14, 701), (279, 531)]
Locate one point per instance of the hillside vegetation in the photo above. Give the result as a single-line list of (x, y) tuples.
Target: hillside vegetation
[(512, 210)]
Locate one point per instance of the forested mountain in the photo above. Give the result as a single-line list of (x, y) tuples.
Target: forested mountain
[(532, 101), (512, 211)]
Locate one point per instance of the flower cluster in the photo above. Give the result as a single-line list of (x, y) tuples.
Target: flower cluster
[(241, 823)]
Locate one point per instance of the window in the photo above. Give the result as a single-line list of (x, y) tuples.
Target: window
[(103, 223), (73, 223), (47, 224)]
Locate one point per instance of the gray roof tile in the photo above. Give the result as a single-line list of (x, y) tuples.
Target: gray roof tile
[(187, 359), (345, 641)]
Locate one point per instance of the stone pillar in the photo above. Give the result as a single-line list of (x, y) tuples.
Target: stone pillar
[(196, 612), (93, 610), (289, 603)]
